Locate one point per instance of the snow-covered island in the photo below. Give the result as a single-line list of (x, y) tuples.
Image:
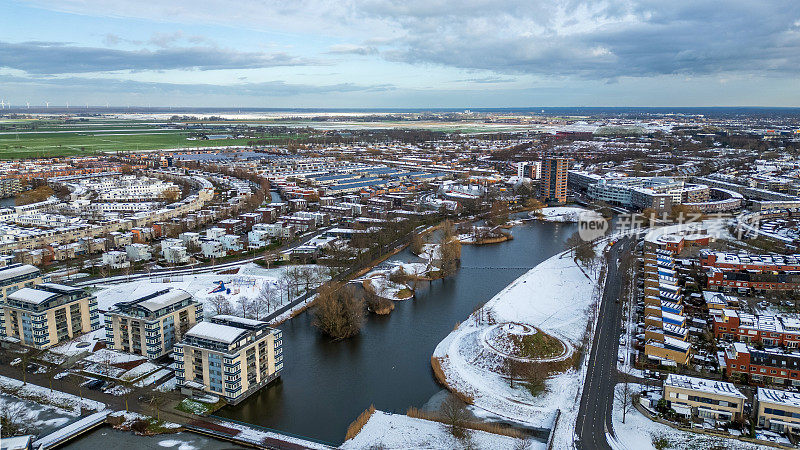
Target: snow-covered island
[(560, 213), (548, 307)]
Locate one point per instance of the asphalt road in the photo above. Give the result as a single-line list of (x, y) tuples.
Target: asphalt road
[(594, 415)]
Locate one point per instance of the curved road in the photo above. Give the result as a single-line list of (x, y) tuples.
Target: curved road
[(594, 415)]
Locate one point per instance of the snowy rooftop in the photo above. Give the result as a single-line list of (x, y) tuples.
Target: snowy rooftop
[(16, 271), (777, 397), (248, 323), (33, 296), (703, 385), (780, 260), (162, 299), (216, 332)]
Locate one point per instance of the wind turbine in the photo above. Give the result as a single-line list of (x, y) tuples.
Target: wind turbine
[(28, 105), (2, 104), (46, 104), (67, 105)]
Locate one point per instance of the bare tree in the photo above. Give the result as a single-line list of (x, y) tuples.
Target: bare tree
[(262, 303), (417, 242), (220, 305), (624, 394), (245, 307), (338, 311), (454, 414)]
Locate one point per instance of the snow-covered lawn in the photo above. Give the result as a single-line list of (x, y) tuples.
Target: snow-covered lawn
[(431, 252), (556, 297), (247, 284), (397, 431), (106, 356), (562, 213), (82, 343), (61, 400), (639, 431)]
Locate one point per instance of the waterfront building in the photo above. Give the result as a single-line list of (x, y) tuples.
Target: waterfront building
[(229, 356)]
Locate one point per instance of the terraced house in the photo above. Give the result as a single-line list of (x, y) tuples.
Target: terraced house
[(47, 314), (151, 323), (229, 356)]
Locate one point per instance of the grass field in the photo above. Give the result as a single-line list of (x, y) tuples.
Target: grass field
[(49, 139)]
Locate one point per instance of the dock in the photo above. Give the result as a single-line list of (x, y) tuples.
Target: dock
[(72, 431)]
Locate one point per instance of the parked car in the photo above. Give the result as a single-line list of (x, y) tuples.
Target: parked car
[(96, 385)]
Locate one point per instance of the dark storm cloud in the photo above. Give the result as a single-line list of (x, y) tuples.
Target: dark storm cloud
[(62, 58), (599, 39)]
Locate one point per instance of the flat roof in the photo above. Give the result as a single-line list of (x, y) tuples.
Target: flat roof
[(777, 397), (17, 270), (703, 385), (216, 332), (32, 296)]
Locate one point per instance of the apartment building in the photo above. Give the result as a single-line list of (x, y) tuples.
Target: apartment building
[(707, 399), (229, 356), (13, 278), (46, 314), (778, 411), (553, 187), (151, 323)]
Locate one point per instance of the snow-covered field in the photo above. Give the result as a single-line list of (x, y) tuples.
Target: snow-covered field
[(638, 432), (247, 284), (68, 403), (397, 431), (558, 298), (562, 213)]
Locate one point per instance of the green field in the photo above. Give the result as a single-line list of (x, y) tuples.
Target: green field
[(48, 139)]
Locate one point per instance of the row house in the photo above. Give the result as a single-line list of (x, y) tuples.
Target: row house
[(302, 224), (250, 219), (707, 399), (232, 226), (138, 252), (277, 230), (778, 411), (212, 248), (767, 366), (116, 259), (268, 215), (769, 330)]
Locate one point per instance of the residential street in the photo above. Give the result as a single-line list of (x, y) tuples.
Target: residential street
[(594, 415)]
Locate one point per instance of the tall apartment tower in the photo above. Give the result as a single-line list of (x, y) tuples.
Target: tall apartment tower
[(553, 186)]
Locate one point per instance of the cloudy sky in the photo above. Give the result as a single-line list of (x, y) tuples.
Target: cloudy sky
[(411, 53)]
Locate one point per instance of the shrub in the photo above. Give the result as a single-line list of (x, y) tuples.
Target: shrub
[(140, 426)]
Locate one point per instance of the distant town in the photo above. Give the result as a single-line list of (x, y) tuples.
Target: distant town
[(445, 279)]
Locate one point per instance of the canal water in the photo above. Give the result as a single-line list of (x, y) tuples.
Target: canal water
[(108, 438), (325, 385)]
